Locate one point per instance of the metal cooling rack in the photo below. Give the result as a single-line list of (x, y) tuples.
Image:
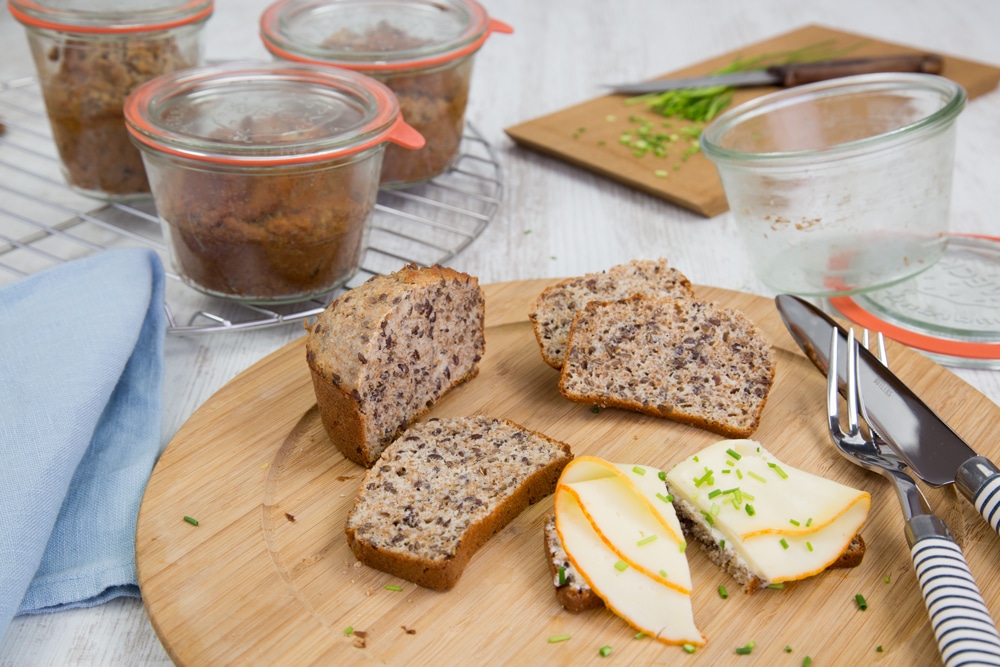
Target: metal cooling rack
[(43, 222)]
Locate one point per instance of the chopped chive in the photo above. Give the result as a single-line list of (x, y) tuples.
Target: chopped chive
[(750, 510), (393, 587), (695, 459), (862, 603), (747, 496), (713, 494), (734, 454), (788, 649), (708, 518), (784, 543), (604, 651), (621, 566), (562, 575), (722, 544), (666, 499), (688, 648), (714, 510), (662, 475), (638, 471), (558, 638), (723, 593), (727, 471), (757, 477), (661, 173), (751, 644), (794, 522), (781, 473), (879, 648), (809, 546), (663, 573), (639, 635), (777, 586), (886, 578), (739, 473), (193, 522), (596, 409), (809, 522), (807, 661), (683, 547), (646, 540), (349, 631), (730, 463), (743, 650)]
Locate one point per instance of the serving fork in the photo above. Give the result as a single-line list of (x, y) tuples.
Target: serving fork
[(965, 632)]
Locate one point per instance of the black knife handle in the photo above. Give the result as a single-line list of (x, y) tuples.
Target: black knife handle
[(963, 627), (979, 481), (799, 73)]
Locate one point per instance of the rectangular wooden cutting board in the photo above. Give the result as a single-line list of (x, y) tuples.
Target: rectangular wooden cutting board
[(587, 135)]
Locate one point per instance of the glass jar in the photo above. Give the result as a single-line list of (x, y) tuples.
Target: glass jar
[(421, 49), (265, 175), (89, 56), (841, 186)]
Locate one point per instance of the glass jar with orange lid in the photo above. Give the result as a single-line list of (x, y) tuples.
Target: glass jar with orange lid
[(89, 56), (421, 49), (265, 175)]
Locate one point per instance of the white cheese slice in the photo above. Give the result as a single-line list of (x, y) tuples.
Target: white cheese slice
[(620, 532), (785, 523), (646, 604)]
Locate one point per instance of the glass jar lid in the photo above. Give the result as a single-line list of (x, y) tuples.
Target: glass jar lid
[(376, 35), (88, 16), (265, 114)]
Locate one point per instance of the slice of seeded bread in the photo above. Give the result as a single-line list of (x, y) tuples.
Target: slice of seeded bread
[(383, 353), (695, 528), (553, 310), (572, 590), (683, 359), (441, 490)]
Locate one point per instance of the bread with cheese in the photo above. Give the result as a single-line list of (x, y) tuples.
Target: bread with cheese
[(442, 489), (765, 522), (572, 590), (383, 353), (552, 312), (687, 360)]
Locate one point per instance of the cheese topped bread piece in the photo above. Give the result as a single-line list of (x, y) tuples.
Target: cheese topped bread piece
[(622, 536), (764, 521), (552, 312)]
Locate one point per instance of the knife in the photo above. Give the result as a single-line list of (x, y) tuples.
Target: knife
[(793, 74), (923, 440)]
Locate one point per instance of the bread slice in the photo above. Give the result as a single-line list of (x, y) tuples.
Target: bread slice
[(696, 529), (683, 359), (572, 590), (383, 353), (553, 311), (441, 490)]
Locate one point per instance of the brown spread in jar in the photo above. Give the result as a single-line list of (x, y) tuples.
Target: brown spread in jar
[(268, 236), (84, 93)]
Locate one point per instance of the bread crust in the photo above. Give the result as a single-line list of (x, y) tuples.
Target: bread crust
[(442, 574), (360, 328), (574, 596)]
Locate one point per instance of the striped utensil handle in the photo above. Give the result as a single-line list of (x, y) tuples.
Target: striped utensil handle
[(963, 627)]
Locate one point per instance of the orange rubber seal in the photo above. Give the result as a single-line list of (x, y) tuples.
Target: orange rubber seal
[(38, 22)]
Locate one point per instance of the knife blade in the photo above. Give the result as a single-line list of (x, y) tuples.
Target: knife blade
[(916, 433), (792, 74)]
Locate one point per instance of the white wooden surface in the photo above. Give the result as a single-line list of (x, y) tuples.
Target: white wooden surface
[(555, 220)]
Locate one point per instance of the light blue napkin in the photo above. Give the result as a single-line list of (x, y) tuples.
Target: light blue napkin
[(81, 370)]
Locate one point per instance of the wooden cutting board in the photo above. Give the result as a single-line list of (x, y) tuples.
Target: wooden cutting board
[(267, 578), (587, 134)]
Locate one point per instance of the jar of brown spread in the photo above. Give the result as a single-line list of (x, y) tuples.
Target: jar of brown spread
[(265, 175), (421, 49), (89, 56)]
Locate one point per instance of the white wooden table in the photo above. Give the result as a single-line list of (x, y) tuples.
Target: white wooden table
[(555, 220)]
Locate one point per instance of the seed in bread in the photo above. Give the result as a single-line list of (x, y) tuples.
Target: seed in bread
[(442, 489), (764, 521), (553, 311), (383, 353), (682, 359)]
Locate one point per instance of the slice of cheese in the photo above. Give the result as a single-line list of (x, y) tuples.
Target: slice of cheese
[(622, 535), (784, 523)]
